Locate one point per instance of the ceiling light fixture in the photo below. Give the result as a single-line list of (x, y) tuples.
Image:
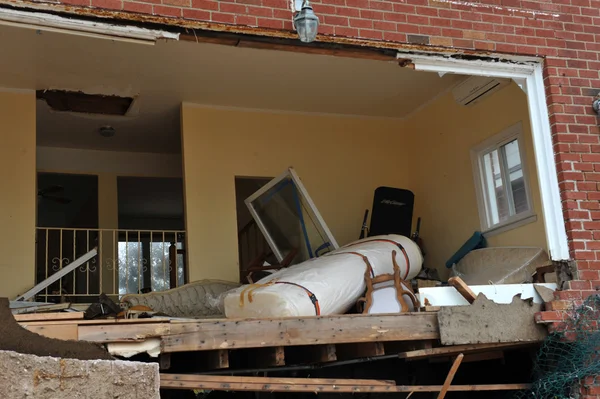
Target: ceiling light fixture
[(107, 131), (101, 30), (306, 23)]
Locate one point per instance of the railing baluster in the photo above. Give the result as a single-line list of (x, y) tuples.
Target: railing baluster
[(115, 245), (147, 261), (176, 261), (100, 260), (60, 261), (47, 265), (164, 266), (126, 261), (151, 266), (139, 264), (87, 287), (74, 257)]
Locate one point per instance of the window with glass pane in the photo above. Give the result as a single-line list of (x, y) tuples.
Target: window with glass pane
[(146, 261), (504, 195)]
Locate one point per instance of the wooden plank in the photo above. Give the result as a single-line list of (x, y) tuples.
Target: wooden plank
[(462, 288), (453, 350), (101, 322), (361, 350), (319, 330), (450, 376), (58, 331), (122, 332), (236, 383), (275, 380), (311, 354), (49, 316), (17, 308), (338, 52)]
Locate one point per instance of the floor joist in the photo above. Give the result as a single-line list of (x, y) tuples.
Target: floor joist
[(237, 334), (270, 384)]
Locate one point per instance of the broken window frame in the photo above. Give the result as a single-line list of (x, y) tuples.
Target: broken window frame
[(290, 173)]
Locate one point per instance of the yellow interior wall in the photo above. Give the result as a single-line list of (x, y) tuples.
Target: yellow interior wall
[(340, 160), (441, 137), (17, 184)]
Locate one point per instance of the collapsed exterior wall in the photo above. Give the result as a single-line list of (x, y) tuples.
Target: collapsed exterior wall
[(29, 376)]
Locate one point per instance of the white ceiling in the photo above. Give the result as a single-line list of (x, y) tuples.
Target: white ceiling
[(164, 75)]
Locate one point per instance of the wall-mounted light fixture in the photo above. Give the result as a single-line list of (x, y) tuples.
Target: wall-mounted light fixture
[(306, 23), (596, 104)]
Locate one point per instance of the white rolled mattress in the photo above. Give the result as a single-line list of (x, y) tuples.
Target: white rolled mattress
[(336, 279)]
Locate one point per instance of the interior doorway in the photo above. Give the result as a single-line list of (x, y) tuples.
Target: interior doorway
[(251, 242)]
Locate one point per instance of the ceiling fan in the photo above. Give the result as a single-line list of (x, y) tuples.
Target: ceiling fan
[(44, 194)]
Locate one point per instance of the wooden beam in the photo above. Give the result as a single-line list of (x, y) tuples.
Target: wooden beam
[(58, 331), (122, 332), (453, 350), (462, 288), (338, 52), (49, 316), (319, 330), (450, 376), (102, 322), (274, 380), (237, 383)]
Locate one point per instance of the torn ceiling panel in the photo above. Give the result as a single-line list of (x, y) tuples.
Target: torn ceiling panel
[(77, 101)]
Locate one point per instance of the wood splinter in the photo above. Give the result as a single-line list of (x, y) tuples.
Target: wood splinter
[(462, 288)]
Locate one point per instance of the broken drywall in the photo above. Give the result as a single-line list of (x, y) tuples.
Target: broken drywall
[(487, 322)]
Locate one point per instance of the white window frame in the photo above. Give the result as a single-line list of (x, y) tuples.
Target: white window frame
[(485, 200), (527, 72)]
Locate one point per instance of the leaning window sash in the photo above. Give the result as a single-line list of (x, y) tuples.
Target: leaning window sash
[(505, 175)]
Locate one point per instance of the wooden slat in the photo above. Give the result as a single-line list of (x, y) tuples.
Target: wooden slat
[(236, 383), (233, 334), (275, 380), (450, 376), (49, 316), (357, 351), (103, 322), (311, 354), (122, 332), (462, 288), (453, 350), (58, 331)]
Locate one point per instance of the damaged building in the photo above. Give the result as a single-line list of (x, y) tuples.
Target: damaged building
[(272, 198)]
